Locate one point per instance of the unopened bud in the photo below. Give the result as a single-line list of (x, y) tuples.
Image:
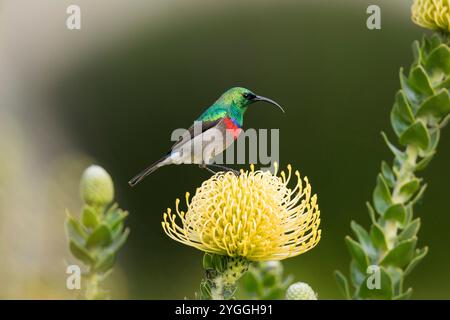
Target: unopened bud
[(96, 186), (300, 291)]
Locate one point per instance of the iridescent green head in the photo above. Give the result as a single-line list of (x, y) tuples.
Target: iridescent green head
[(240, 98)]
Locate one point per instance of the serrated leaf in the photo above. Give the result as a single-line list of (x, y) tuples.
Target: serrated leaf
[(377, 236), (356, 275), (396, 212), (439, 59), (381, 195), (416, 135), (80, 253), (410, 230), (408, 189), (388, 174), (362, 235), (418, 196), (115, 216), (75, 230), (417, 52), (422, 164), (419, 255), (401, 254), (120, 241), (437, 105), (100, 237), (342, 284), (357, 253), (368, 289), (397, 153), (105, 262), (371, 211), (89, 217), (435, 134), (418, 79), (397, 277), (401, 114), (411, 95)]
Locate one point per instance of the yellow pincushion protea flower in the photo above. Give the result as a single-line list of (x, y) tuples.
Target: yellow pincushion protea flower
[(432, 14), (255, 216)]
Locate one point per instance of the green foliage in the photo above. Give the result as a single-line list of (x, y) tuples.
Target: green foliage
[(265, 280), (420, 110), (95, 240)]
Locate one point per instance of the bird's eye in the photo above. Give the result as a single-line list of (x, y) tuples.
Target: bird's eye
[(249, 96)]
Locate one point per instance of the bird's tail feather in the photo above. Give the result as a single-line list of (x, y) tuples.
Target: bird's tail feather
[(147, 171)]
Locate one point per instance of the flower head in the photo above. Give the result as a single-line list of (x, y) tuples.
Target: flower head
[(96, 186), (300, 291), (432, 14), (254, 215)]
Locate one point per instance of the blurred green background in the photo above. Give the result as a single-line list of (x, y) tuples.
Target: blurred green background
[(118, 103)]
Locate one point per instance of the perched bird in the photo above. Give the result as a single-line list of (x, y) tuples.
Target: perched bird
[(207, 137)]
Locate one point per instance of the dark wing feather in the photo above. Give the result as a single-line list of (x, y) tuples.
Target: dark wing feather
[(189, 134)]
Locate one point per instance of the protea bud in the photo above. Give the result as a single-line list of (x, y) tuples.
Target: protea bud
[(300, 291), (96, 186)]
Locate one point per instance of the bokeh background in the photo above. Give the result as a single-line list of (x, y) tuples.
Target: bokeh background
[(112, 92)]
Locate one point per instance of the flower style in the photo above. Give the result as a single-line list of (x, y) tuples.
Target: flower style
[(255, 216), (432, 14)]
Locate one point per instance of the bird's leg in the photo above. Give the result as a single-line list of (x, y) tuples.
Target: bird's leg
[(205, 166)]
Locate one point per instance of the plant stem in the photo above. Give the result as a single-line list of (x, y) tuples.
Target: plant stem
[(405, 173)]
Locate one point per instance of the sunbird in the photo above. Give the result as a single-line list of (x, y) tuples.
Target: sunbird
[(226, 115)]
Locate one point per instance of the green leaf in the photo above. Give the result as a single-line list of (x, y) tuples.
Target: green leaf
[(396, 275), (362, 235), (342, 284), (381, 195), (377, 236), (371, 211), (105, 262), (120, 241), (80, 253), (405, 295), (100, 237), (401, 254), (408, 189), (418, 196), (422, 164), (396, 212), (115, 216), (357, 253), (437, 105), (416, 135), (419, 255), (368, 288), (417, 52), (397, 153), (75, 230), (410, 230), (418, 79), (356, 275), (388, 174), (412, 96), (252, 282), (401, 115), (208, 261), (89, 217), (439, 59)]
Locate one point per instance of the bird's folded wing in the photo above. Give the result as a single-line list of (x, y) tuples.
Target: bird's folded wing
[(192, 133)]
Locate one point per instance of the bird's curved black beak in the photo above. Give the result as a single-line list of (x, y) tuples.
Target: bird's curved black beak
[(261, 98)]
